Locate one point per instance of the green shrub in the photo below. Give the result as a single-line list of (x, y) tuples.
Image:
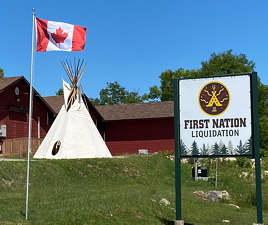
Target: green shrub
[(243, 162), (251, 198), (263, 153), (166, 153)]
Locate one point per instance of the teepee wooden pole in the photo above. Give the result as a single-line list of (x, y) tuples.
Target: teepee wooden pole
[(75, 73)]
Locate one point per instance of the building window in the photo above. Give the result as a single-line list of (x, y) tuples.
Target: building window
[(50, 118), (17, 91)]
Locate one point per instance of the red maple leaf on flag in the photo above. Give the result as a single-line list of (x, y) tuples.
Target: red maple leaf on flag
[(59, 36)]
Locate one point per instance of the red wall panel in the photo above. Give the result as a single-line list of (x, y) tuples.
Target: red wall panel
[(128, 136), (146, 129), (132, 147)]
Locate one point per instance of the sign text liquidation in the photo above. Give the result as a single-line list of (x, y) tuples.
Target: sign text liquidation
[(215, 123)]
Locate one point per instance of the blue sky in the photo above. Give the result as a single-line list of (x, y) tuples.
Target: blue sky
[(134, 41)]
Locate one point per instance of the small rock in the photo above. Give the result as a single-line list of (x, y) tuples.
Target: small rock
[(164, 202), (170, 157), (233, 205), (7, 182), (213, 196), (225, 195), (153, 200), (226, 221), (244, 174), (200, 194), (232, 159), (265, 172)]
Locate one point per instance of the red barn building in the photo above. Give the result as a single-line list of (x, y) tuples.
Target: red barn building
[(127, 128), (14, 110)]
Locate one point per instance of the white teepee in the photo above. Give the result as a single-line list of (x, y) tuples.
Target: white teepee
[(73, 134)]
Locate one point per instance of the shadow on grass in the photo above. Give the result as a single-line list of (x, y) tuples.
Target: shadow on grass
[(22, 213), (170, 222)]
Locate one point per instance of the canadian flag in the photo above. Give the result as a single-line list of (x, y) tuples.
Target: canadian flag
[(59, 36)]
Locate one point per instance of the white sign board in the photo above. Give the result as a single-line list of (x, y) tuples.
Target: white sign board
[(215, 116)]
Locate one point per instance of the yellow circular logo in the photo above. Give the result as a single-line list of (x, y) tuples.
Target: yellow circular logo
[(214, 98)]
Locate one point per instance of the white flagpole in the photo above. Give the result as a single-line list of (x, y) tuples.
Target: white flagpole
[(30, 119)]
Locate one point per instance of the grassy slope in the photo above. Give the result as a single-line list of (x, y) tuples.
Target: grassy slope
[(120, 191)]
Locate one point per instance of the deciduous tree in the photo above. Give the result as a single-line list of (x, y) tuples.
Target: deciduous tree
[(60, 92), (226, 63), (114, 93), (218, 64), (1, 73)]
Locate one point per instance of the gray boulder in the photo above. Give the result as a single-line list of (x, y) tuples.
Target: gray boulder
[(164, 202), (215, 196)]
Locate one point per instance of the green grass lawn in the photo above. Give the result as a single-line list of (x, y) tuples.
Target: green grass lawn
[(122, 191)]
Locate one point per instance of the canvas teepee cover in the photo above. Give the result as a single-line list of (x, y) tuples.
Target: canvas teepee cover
[(73, 134)]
